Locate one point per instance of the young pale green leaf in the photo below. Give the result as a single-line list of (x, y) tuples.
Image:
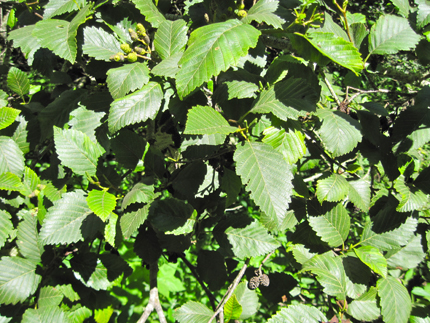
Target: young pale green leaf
[(391, 239), (291, 144), (23, 38), (332, 189), (140, 193), (11, 157), (130, 222), (408, 256), (136, 107), (264, 11), (337, 49), (192, 312), (339, 132), (58, 7), (365, 308), (99, 44), (232, 309), (206, 121), (330, 273), (53, 193), (60, 35), (212, 49), (46, 314), (298, 313), (62, 223), (289, 99), (29, 243), (170, 38), (391, 34), (10, 182), (102, 203), (267, 176), (411, 198), (359, 194), (30, 183), (110, 229), (18, 279), (49, 296), (127, 78), (18, 82), (7, 116), (248, 299), (76, 151), (6, 227), (373, 258), (332, 227), (86, 121), (395, 300), (251, 241), (150, 11), (104, 314)]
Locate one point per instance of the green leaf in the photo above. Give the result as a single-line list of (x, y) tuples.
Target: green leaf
[(23, 38), (332, 227), (168, 67), (337, 49), (86, 121), (248, 299), (170, 38), (10, 182), (411, 198), (49, 296), (232, 309), (332, 189), (150, 11), (288, 99), (58, 7), (330, 273), (192, 312), (46, 314), (212, 49), (18, 82), (365, 308), (136, 107), (6, 227), (140, 193), (359, 194), (60, 35), (7, 116), (99, 44), (76, 151), (403, 6), (11, 157), (241, 89), (128, 147), (127, 78), (20, 135), (373, 258), (291, 144), (298, 313), (408, 256), (18, 279), (110, 229), (102, 203), (391, 34), (103, 315), (395, 300), (263, 11), (169, 214), (206, 121), (423, 14), (251, 241), (391, 239), (267, 176), (29, 243), (130, 222), (339, 132), (331, 27), (231, 184), (30, 183), (62, 223)]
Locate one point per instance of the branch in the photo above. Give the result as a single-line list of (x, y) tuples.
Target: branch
[(230, 291), (207, 291), (154, 301)]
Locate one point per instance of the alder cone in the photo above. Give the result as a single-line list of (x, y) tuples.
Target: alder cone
[(253, 283), (264, 280)]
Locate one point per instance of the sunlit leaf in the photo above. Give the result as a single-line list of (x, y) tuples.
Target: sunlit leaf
[(127, 78), (373, 258), (102, 203), (395, 300), (170, 38), (192, 312), (150, 11), (18, 82), (206, 121)]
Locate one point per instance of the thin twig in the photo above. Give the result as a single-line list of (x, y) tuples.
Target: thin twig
[(154, 301), (230, 291), (331, 90), (264, 260), (207, 291)]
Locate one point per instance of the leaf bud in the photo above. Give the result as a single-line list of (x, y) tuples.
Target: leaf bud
[(133, 34), (242, 13), (139, 50), (126, 48), (140, 28), (144, 37), (132, 57)]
